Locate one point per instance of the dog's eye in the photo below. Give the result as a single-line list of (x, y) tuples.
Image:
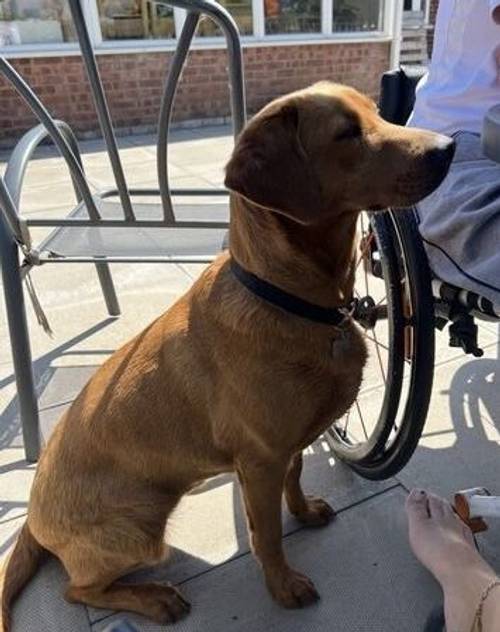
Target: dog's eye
[(353, 131)]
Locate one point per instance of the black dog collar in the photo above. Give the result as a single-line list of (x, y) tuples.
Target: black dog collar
[(335, 316)]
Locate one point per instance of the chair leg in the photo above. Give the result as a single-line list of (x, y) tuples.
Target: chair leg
[(20, 344), (108, 288)]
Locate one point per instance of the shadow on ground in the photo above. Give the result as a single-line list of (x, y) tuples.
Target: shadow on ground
[(43, 371)]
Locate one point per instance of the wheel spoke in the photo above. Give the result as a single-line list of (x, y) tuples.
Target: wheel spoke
[(362, 420), (366, 244), (376, 342), (379, 357)]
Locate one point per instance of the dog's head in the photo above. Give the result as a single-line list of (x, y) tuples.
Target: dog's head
[(325, 150)]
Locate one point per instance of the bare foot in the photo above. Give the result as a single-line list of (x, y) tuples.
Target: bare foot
[(445, 546)]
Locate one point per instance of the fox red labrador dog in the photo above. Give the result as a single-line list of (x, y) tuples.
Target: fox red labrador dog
[(226, 380)]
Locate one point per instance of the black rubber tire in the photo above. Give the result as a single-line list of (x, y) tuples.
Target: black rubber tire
[(359, 453), (398, 238)]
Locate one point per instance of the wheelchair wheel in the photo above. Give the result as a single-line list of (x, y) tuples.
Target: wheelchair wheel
[(396, 310)]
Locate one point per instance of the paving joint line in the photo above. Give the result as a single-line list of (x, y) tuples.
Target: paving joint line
[(22, 515)]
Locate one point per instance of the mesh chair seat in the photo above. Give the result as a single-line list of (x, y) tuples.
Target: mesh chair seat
[(137, 240)]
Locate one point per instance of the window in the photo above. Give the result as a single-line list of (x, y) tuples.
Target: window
[(135, 19), (413, 5), (241, 10), (35, 22), (292, 16), (358, 15), (46, 24)]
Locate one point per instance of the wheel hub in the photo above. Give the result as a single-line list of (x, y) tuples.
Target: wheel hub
[(367, 312)]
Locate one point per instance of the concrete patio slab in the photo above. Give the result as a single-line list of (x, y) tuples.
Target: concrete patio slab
[(9, 528), (367, 582), (42, 608), (72, 299)]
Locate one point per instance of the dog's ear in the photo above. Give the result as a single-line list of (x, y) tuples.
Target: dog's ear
[(270, 167)]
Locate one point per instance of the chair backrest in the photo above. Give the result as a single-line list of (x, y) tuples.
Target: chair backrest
[(397, 93), (195, 9)]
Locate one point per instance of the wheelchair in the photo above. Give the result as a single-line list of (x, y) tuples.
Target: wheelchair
[(399, 305)]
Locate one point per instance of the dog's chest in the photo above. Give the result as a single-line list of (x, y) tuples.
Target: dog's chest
[(328, 396), (319, 386)]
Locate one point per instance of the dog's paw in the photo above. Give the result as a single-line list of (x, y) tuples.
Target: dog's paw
[(291, 589), (318, 513), (170, 604)]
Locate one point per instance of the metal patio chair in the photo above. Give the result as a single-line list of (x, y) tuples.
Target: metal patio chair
[(113, 225)]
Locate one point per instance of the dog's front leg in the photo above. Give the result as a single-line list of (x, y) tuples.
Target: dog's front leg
[(262, 486), (311, 511)]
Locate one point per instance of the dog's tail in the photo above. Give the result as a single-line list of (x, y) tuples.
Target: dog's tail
[(20, 568)]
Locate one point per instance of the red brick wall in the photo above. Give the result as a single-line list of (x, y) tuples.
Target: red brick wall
[(133, 83)]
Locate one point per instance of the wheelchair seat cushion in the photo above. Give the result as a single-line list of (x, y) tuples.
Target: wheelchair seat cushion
[(460, 221)]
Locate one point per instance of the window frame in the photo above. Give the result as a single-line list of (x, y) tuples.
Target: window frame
[(259, 38)]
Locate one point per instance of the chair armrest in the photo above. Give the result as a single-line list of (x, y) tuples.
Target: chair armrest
[(23, 151), (397, 93)]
